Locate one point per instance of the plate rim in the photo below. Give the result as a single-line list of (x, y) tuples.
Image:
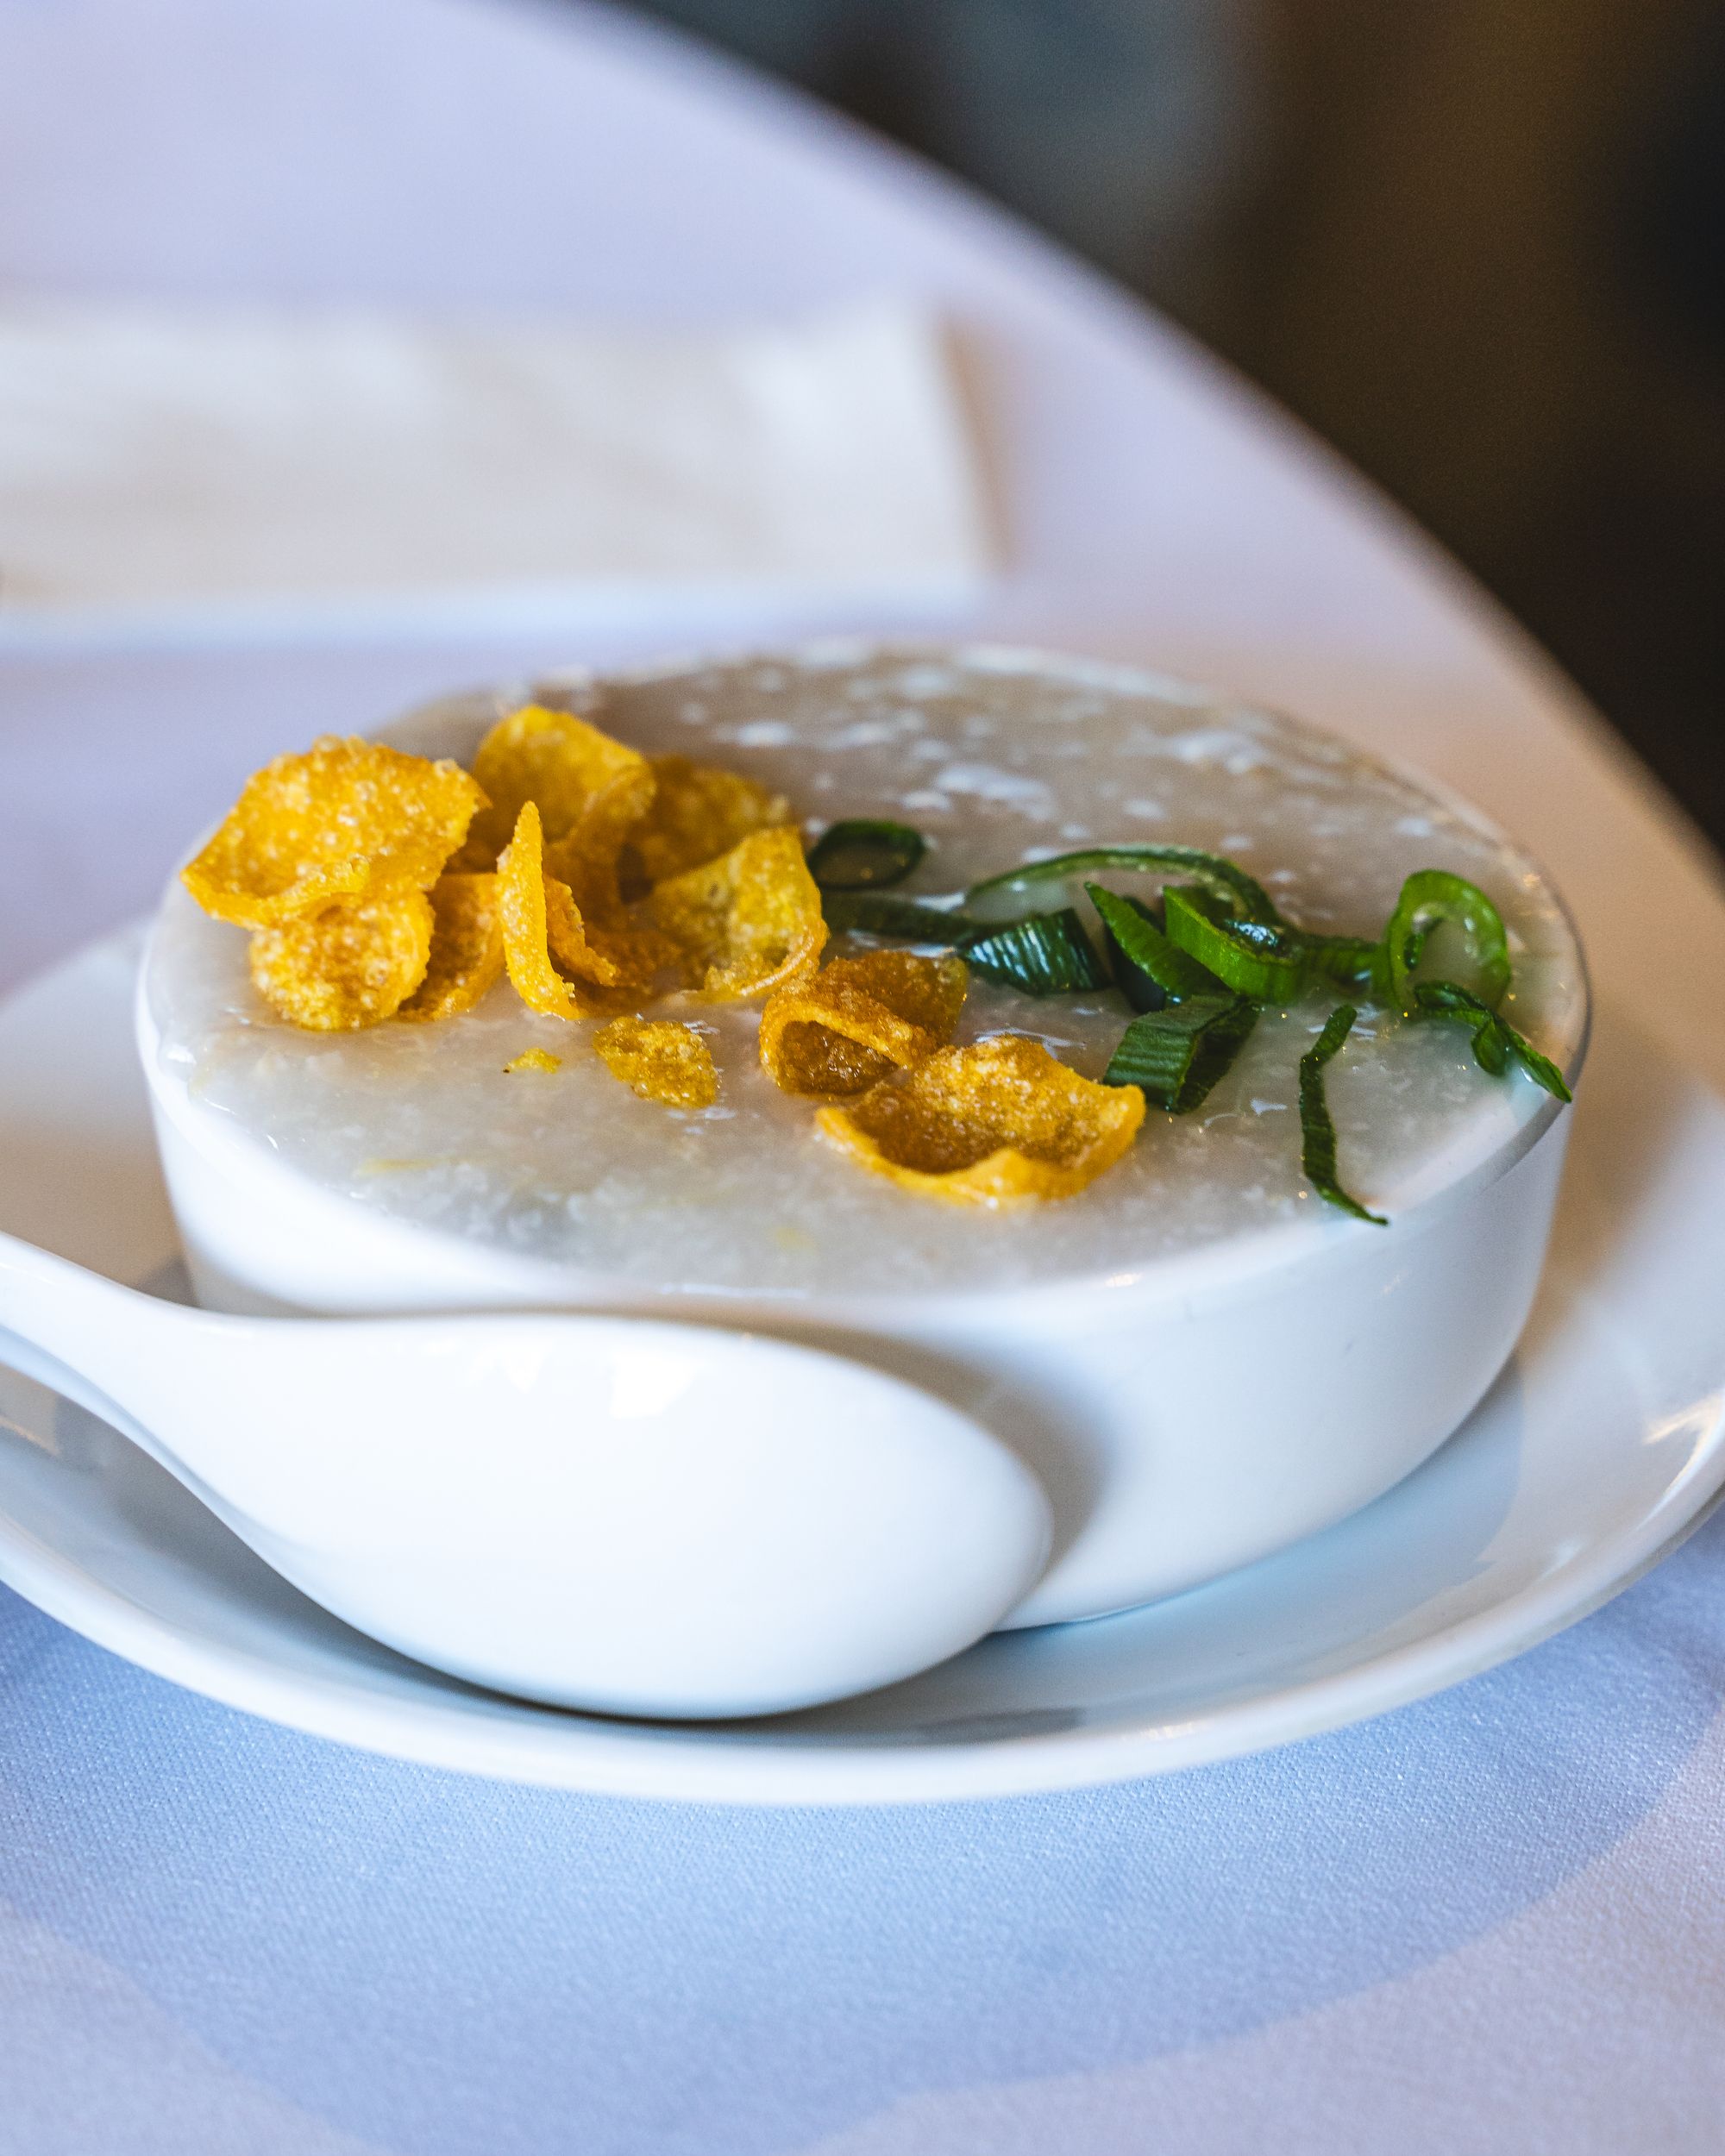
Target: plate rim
[(708, 1764), (592, 1756)]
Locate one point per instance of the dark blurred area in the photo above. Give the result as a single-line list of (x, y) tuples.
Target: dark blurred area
[(1478, 244)]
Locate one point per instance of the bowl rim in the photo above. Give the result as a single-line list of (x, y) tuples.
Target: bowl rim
[(1228, 1263)]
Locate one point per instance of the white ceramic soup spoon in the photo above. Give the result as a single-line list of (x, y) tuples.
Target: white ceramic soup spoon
[(613, 1513)]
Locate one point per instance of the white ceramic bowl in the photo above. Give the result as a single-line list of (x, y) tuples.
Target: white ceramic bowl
[(1186, 1415)]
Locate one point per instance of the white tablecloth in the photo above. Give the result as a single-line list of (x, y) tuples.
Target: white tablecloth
[(1493, 1921)]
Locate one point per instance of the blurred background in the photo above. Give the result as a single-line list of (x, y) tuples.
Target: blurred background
[(1477, 244)]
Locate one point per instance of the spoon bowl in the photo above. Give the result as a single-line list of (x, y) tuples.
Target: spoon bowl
[(624, 1513)]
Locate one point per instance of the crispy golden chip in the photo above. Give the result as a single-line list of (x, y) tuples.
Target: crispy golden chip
[(467, 948), (354, 962), (533, 1059), (1000, 1122), (612, 952), (587, 789), (746, 923), (699, 811), (660, 1060), (344, 820), (859, 1018), (539, 916)]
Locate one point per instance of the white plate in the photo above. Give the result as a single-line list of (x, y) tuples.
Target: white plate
[(1602, 1445)]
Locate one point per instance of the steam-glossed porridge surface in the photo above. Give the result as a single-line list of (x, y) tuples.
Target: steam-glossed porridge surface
[(996, 758)]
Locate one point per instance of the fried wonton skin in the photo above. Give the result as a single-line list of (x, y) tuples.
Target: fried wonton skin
[(859, 1018), (588, 789), (699, 811), (1000, 1122), (354, 962), (539, 919), (466, 949), (346, 819), (608, 948), (745, 924), (660, 1059)]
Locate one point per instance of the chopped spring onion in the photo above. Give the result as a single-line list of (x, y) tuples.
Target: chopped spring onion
[(1351, 961), (1148, 969), (1270, 959), (1495, 1042), (1176, 1054), (1432, 895), (1047, 954), (860, 854), (1317, 1132), (1240, 892), (1255, 958), (876, 914)]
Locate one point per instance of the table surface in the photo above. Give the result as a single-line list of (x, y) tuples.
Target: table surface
[(1494, 1920)]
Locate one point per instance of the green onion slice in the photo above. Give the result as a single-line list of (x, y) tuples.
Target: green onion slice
[(1043, 954), (1240, 892), (1254, 958), (1495, 1042), (1047, 954), (1149, 970), (1176, 1054), (859, 855), (874, 913), (1317, 1132), (1432, 895), (1351, 961)]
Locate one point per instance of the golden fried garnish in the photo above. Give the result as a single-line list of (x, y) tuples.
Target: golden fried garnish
[(346, 820), (353, 962), (660, 1060), (1000, 1122), (533, 1059), (467, 948), (698, 812), (859, 1018), (610, 950), (746, 923), (587, 789), (539, 917)]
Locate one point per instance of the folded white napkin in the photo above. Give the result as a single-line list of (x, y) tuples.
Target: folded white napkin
[(162, 465)]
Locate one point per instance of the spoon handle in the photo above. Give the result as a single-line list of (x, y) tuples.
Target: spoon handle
[(158, 1374), (105, 1339)]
